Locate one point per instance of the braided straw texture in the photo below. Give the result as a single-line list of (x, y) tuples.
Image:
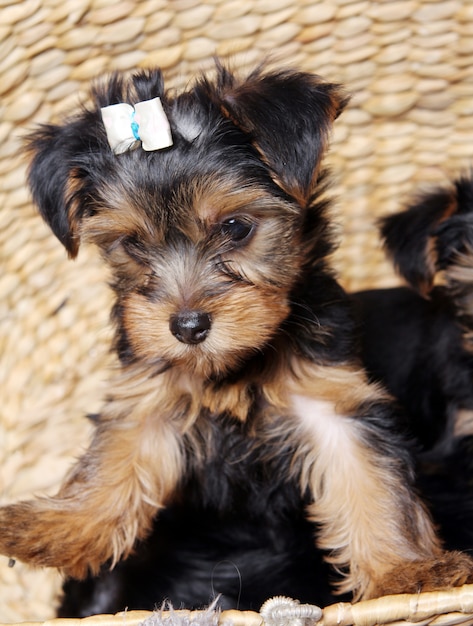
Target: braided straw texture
[(409, 66), (449, 608)]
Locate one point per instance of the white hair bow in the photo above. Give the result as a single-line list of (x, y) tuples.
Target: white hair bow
[(145, 122)]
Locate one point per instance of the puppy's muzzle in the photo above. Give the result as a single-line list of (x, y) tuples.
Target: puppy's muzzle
[(190, 326)]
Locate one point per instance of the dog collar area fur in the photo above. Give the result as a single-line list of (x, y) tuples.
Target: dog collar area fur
[(145, 121)]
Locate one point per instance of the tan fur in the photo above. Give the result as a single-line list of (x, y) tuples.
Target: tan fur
[(239, 198), (446, 570), (463, 423), (238, 329), (109, 500), (459, 281), (345, 385), (355, 492)]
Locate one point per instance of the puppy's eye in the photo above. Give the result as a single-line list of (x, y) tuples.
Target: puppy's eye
[(237, 229), (135, 249)]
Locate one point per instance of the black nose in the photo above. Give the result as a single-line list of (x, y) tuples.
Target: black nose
[(190, 326)]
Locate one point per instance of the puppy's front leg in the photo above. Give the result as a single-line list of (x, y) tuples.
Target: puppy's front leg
[(373, 527), (106, 503)]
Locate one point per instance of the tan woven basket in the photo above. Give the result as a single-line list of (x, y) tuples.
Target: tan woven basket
[(449, 608), (409, 66)]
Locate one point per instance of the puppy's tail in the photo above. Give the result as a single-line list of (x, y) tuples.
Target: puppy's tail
[(432, 242)]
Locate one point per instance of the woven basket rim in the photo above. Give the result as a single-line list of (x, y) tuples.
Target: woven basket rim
[(442, 608)]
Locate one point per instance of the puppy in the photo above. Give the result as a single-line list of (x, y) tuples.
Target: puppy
[(418, 339), (210, 209)]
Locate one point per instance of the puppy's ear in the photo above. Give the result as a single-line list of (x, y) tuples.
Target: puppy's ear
[(428, 236), (60, 167), (289, 116)]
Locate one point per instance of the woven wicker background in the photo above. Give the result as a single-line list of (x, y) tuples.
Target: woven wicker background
[(409, 66)]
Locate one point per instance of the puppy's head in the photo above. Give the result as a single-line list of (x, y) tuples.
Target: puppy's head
[(207, 237), (432, 234)]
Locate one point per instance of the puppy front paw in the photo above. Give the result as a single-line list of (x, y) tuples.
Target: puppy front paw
[(449, 569), (50, 536)]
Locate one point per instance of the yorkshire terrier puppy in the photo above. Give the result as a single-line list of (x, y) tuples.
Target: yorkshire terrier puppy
[(419, 339), (209, 207)]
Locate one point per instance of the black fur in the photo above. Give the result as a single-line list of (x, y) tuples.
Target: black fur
[(223, 536), (415, 347)]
